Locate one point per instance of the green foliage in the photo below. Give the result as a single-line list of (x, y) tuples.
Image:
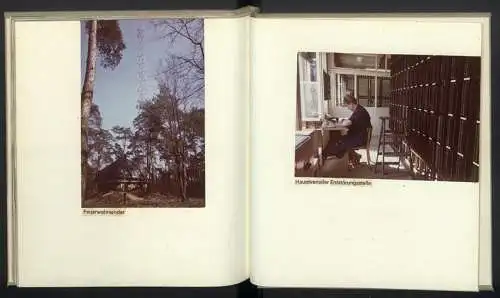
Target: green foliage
[(100, 141), (110, 43), (124, 135)]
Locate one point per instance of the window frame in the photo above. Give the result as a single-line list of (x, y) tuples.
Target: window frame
[(357, 73), (305, 78), (381, 98)]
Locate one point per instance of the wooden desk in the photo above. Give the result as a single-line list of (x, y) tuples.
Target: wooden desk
[(333, 133), (309, 145), (338, 129), (342, 129)]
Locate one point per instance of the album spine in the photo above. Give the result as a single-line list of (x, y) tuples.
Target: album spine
[(11, 210)]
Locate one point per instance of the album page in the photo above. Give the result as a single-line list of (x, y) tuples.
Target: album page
[(130, 150), (370, 152)]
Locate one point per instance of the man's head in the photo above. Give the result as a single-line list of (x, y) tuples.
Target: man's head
[(350, 102)]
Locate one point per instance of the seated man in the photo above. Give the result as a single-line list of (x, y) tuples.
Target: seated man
[(358, 124)]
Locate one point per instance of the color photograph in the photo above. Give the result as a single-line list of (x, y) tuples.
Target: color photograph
[(142, 113), (385, 116)]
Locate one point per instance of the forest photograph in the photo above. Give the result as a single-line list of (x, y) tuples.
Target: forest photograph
[(142, 113)]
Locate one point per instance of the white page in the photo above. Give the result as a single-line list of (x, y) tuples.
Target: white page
[(393, 234), (58, 245), (485, 190)]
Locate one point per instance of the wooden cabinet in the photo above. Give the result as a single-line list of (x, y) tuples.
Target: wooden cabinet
[(435, 103), (307, 161)]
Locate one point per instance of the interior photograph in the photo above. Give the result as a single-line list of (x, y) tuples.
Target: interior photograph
[(382, 116)]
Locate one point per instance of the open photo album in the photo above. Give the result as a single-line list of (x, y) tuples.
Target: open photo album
[(204, 148)]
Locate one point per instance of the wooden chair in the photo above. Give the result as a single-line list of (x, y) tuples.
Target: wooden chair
[(366, 146)]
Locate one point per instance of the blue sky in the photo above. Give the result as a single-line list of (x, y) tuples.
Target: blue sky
[(115, 90)]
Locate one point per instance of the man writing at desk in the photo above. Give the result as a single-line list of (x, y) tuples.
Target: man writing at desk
[(358, 124)]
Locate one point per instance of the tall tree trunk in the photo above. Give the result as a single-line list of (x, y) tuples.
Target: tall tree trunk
[(98, 164), (181, 177), (87, 94), (181, 162), (184, 176), (184, 182), (148, 165)]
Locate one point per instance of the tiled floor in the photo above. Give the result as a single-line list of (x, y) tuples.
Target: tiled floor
[(335, 167)]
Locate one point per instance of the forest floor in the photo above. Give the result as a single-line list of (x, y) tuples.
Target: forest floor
[(117, 199)]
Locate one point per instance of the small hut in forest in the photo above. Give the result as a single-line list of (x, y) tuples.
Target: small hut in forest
[(120, 175)]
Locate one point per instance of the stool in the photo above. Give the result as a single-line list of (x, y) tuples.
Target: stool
[(387, 137)]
